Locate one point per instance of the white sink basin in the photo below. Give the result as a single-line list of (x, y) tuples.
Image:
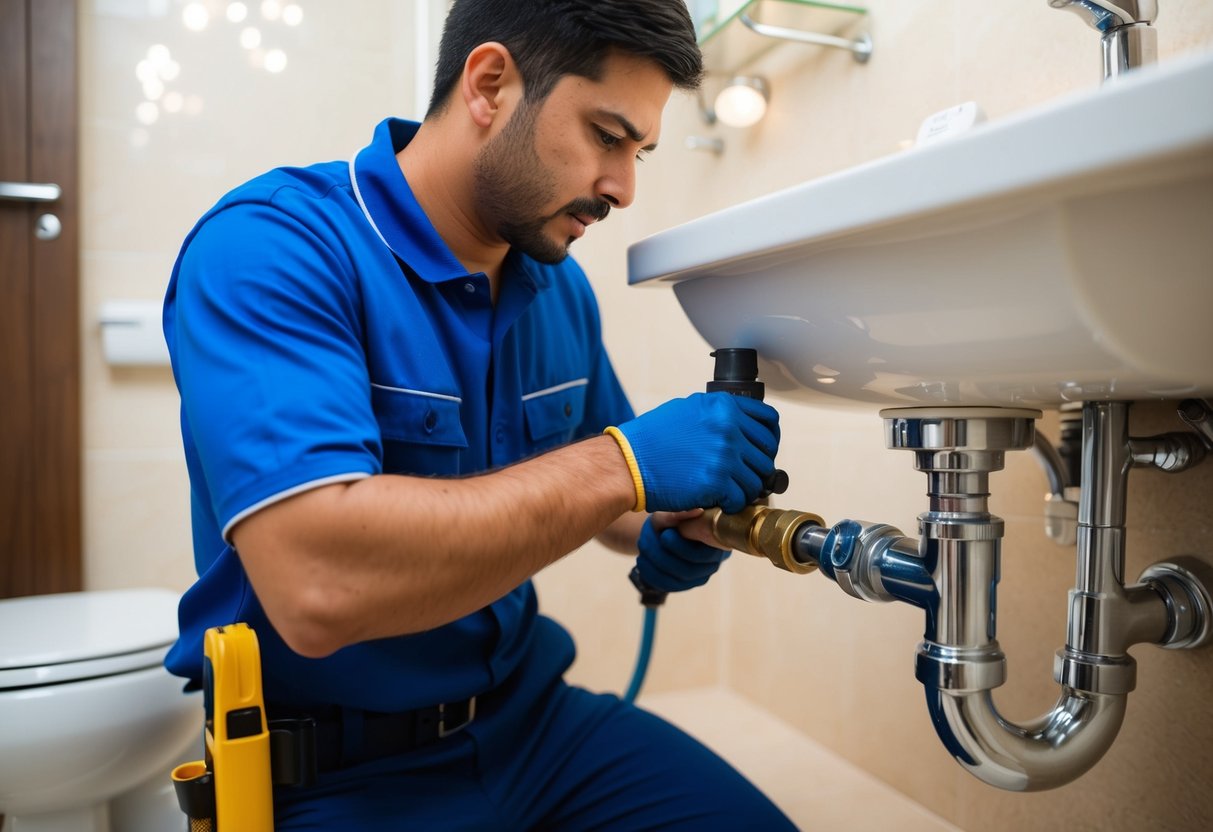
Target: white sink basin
[(1063, 254)]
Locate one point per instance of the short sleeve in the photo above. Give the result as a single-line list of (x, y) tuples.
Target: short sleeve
[(264, 325)]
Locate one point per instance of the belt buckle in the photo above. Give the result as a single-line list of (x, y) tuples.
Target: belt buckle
[(444, 730)]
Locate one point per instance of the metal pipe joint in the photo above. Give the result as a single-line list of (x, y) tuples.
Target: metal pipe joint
[(765, 532), (1170, 452)]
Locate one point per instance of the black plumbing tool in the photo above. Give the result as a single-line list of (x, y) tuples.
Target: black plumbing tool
[(736, 372)]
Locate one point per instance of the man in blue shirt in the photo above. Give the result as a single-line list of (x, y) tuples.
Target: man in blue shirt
[(394, 398)]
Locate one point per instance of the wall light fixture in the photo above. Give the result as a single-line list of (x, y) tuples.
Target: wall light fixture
[(743, 101)]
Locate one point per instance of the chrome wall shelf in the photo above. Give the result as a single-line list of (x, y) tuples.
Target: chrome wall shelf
[(731, 44)]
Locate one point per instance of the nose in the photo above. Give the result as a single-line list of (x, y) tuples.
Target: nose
[(617, 184)]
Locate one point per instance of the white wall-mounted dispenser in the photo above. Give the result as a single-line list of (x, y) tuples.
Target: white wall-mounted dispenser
[(132, 334)]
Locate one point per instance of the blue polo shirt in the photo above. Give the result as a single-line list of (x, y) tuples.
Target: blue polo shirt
[(321, 331)]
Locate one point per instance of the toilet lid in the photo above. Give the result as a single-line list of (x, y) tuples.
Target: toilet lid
[(47, 639)]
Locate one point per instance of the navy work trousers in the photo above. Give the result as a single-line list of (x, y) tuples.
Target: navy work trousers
[(541, 755)]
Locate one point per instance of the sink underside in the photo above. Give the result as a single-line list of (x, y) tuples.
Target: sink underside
[(1081, 268)]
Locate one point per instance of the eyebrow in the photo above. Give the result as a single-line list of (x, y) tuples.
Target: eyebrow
[(633, 132)]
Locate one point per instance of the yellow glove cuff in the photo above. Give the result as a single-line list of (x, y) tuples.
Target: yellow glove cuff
[(630, 459)]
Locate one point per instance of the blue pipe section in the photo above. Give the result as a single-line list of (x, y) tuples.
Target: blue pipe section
[(642, 658)]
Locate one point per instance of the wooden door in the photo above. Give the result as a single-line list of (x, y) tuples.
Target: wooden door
[(40, 446)]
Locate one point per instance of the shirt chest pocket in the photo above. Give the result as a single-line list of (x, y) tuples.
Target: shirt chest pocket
[(554, 415), (422, 432)]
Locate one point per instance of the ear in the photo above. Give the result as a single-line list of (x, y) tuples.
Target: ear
[(490, 84)]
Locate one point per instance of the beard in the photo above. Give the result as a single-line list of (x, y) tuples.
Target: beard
[(510, 180)]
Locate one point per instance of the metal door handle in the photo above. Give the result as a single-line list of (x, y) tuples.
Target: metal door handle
[(29, 191)]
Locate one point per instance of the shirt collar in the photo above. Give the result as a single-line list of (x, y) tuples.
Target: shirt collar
[(393, 211)]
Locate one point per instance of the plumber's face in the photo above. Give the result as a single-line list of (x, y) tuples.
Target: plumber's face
[(565, 162)]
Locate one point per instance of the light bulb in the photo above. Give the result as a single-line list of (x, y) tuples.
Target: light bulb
[(275, 60), (195, 17), (742, 103)]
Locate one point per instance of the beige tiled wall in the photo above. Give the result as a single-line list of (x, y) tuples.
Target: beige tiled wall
[(145, 185), (837, 669)]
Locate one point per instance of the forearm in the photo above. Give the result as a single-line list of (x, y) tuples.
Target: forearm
[(391, 555)]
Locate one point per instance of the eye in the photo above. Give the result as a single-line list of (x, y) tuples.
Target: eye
[(609, 140)]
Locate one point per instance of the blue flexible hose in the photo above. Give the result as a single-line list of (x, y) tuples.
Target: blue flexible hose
[(642, 658)]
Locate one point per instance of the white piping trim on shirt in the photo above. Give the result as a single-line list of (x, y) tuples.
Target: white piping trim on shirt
[(362, 204), (580, 382), (442, 396), (291, 492)]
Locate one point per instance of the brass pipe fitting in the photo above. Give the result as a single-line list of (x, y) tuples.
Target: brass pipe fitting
[(765, 532)]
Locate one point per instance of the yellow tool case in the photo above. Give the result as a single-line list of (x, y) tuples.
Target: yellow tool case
[(232, 789)]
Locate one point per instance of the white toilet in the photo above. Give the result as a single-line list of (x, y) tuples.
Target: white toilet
[(88, 714)]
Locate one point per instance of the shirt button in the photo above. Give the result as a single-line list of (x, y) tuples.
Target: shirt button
[(499, 435), (568, 410), (470, 288), (431, 421)]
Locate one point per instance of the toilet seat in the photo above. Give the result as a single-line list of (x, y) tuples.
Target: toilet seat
[(51, 639)]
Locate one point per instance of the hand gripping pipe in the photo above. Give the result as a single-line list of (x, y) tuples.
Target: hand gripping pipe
[(952, 571)]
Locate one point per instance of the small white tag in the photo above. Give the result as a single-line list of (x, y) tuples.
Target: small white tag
[(950, 122)]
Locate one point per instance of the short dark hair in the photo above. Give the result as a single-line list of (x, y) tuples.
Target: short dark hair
[(549, 39)]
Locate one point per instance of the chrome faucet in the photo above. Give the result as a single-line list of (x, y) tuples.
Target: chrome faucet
[(1129, 37)]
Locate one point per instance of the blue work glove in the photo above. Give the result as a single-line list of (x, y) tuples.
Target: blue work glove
[(709, 449), (671, 563)]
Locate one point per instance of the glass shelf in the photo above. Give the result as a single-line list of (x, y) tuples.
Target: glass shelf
[(748, 33)]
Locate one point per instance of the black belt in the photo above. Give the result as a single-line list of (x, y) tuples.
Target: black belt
[(305, 743)]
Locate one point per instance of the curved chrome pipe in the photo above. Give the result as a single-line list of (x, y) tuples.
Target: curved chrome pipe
[(952, 574), (1050, 461), (1048, 752), (959, 661), (1061, 512)]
